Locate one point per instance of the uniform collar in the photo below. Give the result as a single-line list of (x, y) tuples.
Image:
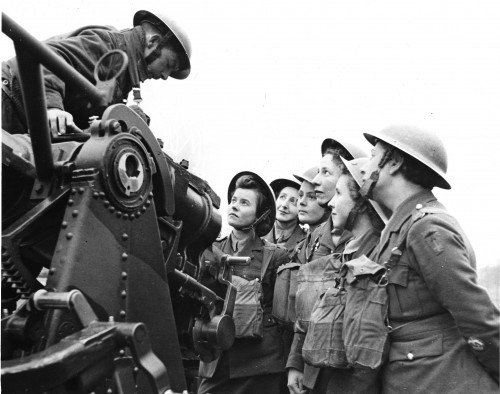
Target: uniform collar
[(249, 245), (135, 40), (364, 240), (404, 212), (323, 234), (405, 209)]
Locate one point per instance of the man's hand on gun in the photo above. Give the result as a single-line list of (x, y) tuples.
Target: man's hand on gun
[(61, 122)]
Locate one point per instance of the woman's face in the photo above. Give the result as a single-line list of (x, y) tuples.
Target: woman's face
[(341, 203), (310, 212), (326, 179), (242, 209), (286, 205)]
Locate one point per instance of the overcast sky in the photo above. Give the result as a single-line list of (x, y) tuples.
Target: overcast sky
[(271, 79)]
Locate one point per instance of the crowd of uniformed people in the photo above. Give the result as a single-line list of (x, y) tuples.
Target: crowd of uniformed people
[(368, 283), (360, 280)]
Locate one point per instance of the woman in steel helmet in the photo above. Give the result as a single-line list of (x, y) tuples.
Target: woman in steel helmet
[(443, 323), (311, 213), (286, 231), (255, 363), (362, 220)]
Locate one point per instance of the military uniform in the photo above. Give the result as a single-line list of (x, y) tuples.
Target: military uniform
[(352, 380), (445, 328), (297, 235), (81, 50), (251, 365), (321, 245)]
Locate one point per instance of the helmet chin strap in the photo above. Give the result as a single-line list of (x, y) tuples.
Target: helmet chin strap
[(264, 215), (367, 189)]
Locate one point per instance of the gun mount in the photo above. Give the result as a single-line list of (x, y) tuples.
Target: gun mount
[(119, 228)]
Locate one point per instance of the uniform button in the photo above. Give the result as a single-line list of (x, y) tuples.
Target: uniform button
[(476, 344), (409, 356), (419, 206)]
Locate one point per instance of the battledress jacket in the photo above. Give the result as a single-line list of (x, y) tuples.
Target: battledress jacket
[(322, 245), (260, 356), (291, 243), (81, 51), (445, 328)]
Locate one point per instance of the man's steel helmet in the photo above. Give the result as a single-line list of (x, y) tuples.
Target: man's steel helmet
[(423, 145), (350, 146), (279, 184), (267, 212), (308, 175), (166, 25), (354, 168)]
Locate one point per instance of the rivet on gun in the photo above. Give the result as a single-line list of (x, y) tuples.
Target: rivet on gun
[(123, 294), (136, 370), (74, 213), (71, 202), (64, 224), (109, 391), (73, 191), (150, 194), (124, 256), (123, 313), (124, 275), (81, 190), (112, 209), (122, 352), (69, 235), (137, 214), (95, 195), (125, 216), (118, 214), (124, 236), (106, 203), (52, 271), (148, 203), (102, 194), (143, 209)]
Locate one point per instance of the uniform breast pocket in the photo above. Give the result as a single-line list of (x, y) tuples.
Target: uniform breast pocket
[(398, 275), (399, 294), (417, 349)]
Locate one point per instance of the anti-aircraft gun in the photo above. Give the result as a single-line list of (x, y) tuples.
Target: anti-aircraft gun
[(119, 229)]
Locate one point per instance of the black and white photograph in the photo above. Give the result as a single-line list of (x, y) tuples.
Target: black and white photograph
[(227, 197)]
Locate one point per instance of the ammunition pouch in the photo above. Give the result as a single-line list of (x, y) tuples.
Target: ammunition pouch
[(285, 290), (323, 345), (248, 314), (364, 330), (313, 279)]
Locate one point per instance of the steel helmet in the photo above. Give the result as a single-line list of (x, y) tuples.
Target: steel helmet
[(267, 215), (350, 146), (166, 24), (279, 184), (308, 175), (354, 168), (423, 145)]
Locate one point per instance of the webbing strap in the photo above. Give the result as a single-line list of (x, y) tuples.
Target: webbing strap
[(417, 214)]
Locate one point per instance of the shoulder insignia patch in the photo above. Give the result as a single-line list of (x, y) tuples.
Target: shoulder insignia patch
[(434, 242)]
